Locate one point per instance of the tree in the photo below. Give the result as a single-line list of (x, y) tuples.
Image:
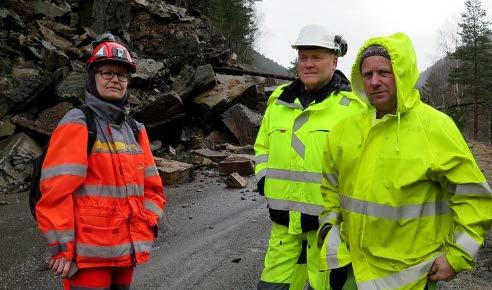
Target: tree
[(235, 19), (474, 58), (293, 68)]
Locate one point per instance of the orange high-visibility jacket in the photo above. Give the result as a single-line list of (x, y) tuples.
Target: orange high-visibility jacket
[(100, 209)]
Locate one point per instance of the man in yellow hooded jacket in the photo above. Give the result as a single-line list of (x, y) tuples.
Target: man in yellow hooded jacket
[(408, 204)]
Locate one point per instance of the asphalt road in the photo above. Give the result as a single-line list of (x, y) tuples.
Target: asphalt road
[(211, 237)]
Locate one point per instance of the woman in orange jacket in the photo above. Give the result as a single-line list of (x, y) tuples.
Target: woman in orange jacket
[(100, 210)]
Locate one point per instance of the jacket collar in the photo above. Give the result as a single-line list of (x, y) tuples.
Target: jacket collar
[(104, 109), (296, 90)]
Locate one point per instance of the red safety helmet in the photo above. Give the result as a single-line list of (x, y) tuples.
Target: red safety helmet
[(106, 50)]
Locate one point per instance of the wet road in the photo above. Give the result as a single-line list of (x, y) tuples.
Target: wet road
[(211, 238)]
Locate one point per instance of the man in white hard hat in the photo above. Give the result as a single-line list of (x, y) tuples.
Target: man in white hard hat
[(289, 148)]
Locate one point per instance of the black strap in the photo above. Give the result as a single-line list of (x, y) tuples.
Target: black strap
[(133, 125), (91, 126)]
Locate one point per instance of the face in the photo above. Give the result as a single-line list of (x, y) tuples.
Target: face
[(111, 88), (316, 67), (379, 84)]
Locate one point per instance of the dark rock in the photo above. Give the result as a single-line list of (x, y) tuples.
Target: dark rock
[(243, 123), (49, 9), (16, 155), (49, 118), (159, 109), (209, 154), (105, 15), (72, 87), (20, 87), (147, 68), (6, 128)]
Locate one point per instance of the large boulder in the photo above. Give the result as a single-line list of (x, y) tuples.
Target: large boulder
[(16, 158), (243, 123)]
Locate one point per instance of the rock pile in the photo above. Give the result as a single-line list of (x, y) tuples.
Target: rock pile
[(175, 92)]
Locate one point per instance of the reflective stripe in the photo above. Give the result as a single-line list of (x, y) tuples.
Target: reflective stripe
[(298, 145), (262, 285), (345, 101), (331, 216), (261, 174), (55, 249), (150, 171), (394, 213), (142, 246), (150, 205), (290, 105), (65, 169), (73, 117), (398, 279), (470, 188), (86, 250), (59, 236), (297, 176), (332, 178), (111, 191), (300, 121), (118, 147), (467, 243), (334, 242), (311, 209), (261, 159)]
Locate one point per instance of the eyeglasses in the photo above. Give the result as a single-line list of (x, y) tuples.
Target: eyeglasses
[(109, 74)]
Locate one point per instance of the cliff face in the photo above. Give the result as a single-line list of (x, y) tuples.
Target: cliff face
[(175, 92)]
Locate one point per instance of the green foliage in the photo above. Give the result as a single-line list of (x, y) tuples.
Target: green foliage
[(235, 19), (474, 55), (293, 68)]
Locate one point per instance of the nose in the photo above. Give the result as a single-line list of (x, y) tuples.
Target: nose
[(375, 80)]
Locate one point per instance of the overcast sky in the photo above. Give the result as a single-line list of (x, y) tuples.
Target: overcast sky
[(356, 20)]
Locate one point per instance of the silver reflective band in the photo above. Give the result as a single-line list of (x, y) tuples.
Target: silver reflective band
[(65, 169), (261, 159), (467, 243), (298, 176), (345, 101), (290, 105), (261, 174), (332, 178), (394, 213), (311, 209), (298, 146), (470, 188), (86, 250), (150, 205), (334, 242), (331, 216), (142, 246), (301, 120), (59, 236), (150, 171), (399, 279), (111, 191)]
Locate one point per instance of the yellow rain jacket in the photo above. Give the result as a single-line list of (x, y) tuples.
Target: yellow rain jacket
[(407, 187)]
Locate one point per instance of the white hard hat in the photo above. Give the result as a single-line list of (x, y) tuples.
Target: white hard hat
[(317, 35)]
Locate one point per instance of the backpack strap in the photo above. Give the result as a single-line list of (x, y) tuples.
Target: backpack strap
[(133, 125), (91, 126)]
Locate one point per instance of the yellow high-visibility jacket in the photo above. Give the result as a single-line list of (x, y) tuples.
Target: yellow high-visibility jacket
[(407, 187), (289, 148)]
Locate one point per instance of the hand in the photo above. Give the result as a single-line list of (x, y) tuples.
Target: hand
[(59, 267), (441, 270)]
